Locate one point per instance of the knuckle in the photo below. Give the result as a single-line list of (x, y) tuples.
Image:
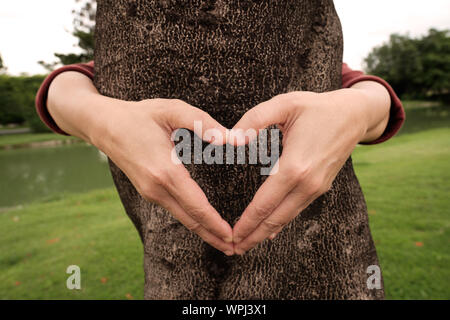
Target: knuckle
[(160, 177), (176, 103), (261, 211), (272, 225), (293, 98), (298, 173), (193, 226), (154, 103), (203, 115), (315, 186), (255, 114), (199, 114), (146, 102), (173, 177), (289, 97), (158, 107), (148, 193), (196, 213)]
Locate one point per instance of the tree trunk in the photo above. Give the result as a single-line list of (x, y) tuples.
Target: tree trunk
[(226, 56)]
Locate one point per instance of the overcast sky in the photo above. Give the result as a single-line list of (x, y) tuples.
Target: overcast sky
[(32, 30)]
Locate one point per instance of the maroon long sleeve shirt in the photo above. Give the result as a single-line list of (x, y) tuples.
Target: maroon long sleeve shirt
[(349, 78)]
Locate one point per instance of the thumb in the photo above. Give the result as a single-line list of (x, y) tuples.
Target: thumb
[(273, 111), (183, 115)]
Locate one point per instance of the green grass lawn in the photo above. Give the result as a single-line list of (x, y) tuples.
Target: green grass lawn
[(90, 230), (17, 140), (406, 182)]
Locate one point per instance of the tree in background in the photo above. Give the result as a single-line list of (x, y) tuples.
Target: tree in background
[(28, 86), (2, 66), (10, 111), (84, 24), (17, 96), (416, 67)]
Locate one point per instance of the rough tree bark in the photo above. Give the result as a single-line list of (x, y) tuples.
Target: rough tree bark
[(226, 56)]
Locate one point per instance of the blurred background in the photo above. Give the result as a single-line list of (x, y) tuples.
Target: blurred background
[(58, 206)]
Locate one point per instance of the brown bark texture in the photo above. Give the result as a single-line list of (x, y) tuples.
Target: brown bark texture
[(226, 56)]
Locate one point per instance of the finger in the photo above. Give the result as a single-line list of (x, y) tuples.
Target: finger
[(274, 111), (183, 115), (193, 200), (178, 213), (291, 206), (266, 200)]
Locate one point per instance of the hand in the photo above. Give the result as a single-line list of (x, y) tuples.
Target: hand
[(320, 132), (137, 138), (138, 141)]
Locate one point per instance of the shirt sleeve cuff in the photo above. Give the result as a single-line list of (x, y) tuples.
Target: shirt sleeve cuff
[(41, 96), (396, 114)]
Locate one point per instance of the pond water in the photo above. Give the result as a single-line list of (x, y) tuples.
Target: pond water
[(29, 174), (424, 118)]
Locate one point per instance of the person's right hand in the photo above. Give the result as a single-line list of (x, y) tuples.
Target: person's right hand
[(136, 136)]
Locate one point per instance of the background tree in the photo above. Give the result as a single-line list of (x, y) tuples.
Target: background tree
[(84, 24), (2, 66), (17, 94), (415, 67)]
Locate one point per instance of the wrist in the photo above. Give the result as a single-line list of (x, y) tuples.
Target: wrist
[(361, 108), (377, 102), (352, 105), (102, 119)]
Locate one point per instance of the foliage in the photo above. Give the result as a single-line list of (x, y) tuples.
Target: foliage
[(30, 86), (2, 66), (415, 67), (10, 110), (17, 96)]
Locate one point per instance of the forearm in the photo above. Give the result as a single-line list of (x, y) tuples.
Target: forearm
[(76, 105)]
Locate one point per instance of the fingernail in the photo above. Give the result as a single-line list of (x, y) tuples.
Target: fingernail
[(239, 251), (272, 236), (229, 253)]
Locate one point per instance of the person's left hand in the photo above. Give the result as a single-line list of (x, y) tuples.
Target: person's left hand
[(320, 131)]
